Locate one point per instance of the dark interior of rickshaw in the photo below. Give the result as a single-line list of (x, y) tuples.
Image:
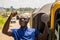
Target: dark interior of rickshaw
[(38, 24), (57, 20)]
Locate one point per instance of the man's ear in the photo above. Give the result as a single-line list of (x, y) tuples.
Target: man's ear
[(28, 20)]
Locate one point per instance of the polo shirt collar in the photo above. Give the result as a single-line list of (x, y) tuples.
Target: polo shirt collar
[(24, 28)]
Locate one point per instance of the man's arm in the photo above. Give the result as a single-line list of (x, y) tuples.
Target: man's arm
[(6, 26), (43, 36)]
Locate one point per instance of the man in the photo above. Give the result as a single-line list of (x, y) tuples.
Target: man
[(23, 33)]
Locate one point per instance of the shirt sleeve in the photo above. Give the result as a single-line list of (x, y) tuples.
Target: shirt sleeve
[(37, 32), (13, 32)]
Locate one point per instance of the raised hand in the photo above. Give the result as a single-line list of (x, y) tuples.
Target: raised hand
[(13, 14)]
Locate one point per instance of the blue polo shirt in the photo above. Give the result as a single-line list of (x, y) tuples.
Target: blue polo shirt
[(25, 33)]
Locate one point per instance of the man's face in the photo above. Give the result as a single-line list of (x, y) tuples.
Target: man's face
[(23, 21)]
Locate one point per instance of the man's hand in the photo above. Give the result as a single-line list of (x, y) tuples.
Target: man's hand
[(13, 14), (45, 18)]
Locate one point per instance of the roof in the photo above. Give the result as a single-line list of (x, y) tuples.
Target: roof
[(45, 9)]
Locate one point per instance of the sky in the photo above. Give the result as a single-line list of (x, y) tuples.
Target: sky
[(24, 3)]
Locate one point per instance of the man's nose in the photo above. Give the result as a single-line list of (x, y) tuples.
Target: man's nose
[(22, 19)]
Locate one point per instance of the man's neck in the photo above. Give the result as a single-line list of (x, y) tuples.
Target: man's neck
[(23, 26)]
